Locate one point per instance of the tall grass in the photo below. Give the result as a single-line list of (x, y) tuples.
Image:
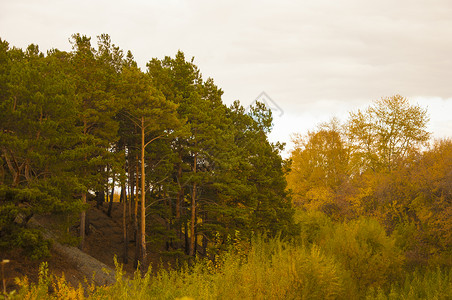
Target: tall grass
[(353, 260), (432, 284), (272, 270)]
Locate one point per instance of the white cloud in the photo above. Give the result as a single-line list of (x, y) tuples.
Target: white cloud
[(316, 58)]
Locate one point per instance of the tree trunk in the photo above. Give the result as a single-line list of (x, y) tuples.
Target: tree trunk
[(204, 237), (130, 186), (27, 172), (143, 204), (110, 205), (169, 222), (82, 224), (135, 218), (193, 211), (100, 195), (122, 193), (180, 195), (100, 198), (187, 239), (2, 172), (124, 225), (195, 251), (204, 245), (12, 169)]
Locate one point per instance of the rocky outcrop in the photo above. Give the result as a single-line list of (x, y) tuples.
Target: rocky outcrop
[(87, 264)]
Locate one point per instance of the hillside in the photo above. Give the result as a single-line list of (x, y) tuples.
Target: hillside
[(103, 243)]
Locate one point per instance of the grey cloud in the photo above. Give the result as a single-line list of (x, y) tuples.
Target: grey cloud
[(305, 54)]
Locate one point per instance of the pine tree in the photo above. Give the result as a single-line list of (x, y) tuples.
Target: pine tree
[(155, 118), (96, 110)]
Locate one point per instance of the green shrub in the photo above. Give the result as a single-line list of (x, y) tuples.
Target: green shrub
[(17, 205), (432, 284), (363, 248), (315, 226), (272, 269), (29, 240)]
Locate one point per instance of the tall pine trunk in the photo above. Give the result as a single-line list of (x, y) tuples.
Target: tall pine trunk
[(124, 224), (130, 187), (169, 220), (143, 204), (180, 195), (193, 211), (187, 238), (135, 217)]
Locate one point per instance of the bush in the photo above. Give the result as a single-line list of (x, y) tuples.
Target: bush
[(279, 270), (17, 206), (433, 284), (315, 226), (29, 240), (271, 270), (363, 248)]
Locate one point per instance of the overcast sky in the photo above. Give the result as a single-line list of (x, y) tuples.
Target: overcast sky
[(315, 59)]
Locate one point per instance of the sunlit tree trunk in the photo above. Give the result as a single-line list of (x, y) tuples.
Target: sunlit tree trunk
[(193, 212), (124, 224), (135, 218), (143, 204)]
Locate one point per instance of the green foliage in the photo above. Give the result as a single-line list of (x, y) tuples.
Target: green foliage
[(315, 226), (71, 123), (363, 247), (17, 206), (386, 132), (226, 176), (29, 240), (32, 241), (432, 284), (270, 269)]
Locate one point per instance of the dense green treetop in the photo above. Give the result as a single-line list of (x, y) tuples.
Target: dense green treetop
[(73, 123)]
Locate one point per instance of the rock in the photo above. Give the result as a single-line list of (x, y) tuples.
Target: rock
[(88, 265)]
